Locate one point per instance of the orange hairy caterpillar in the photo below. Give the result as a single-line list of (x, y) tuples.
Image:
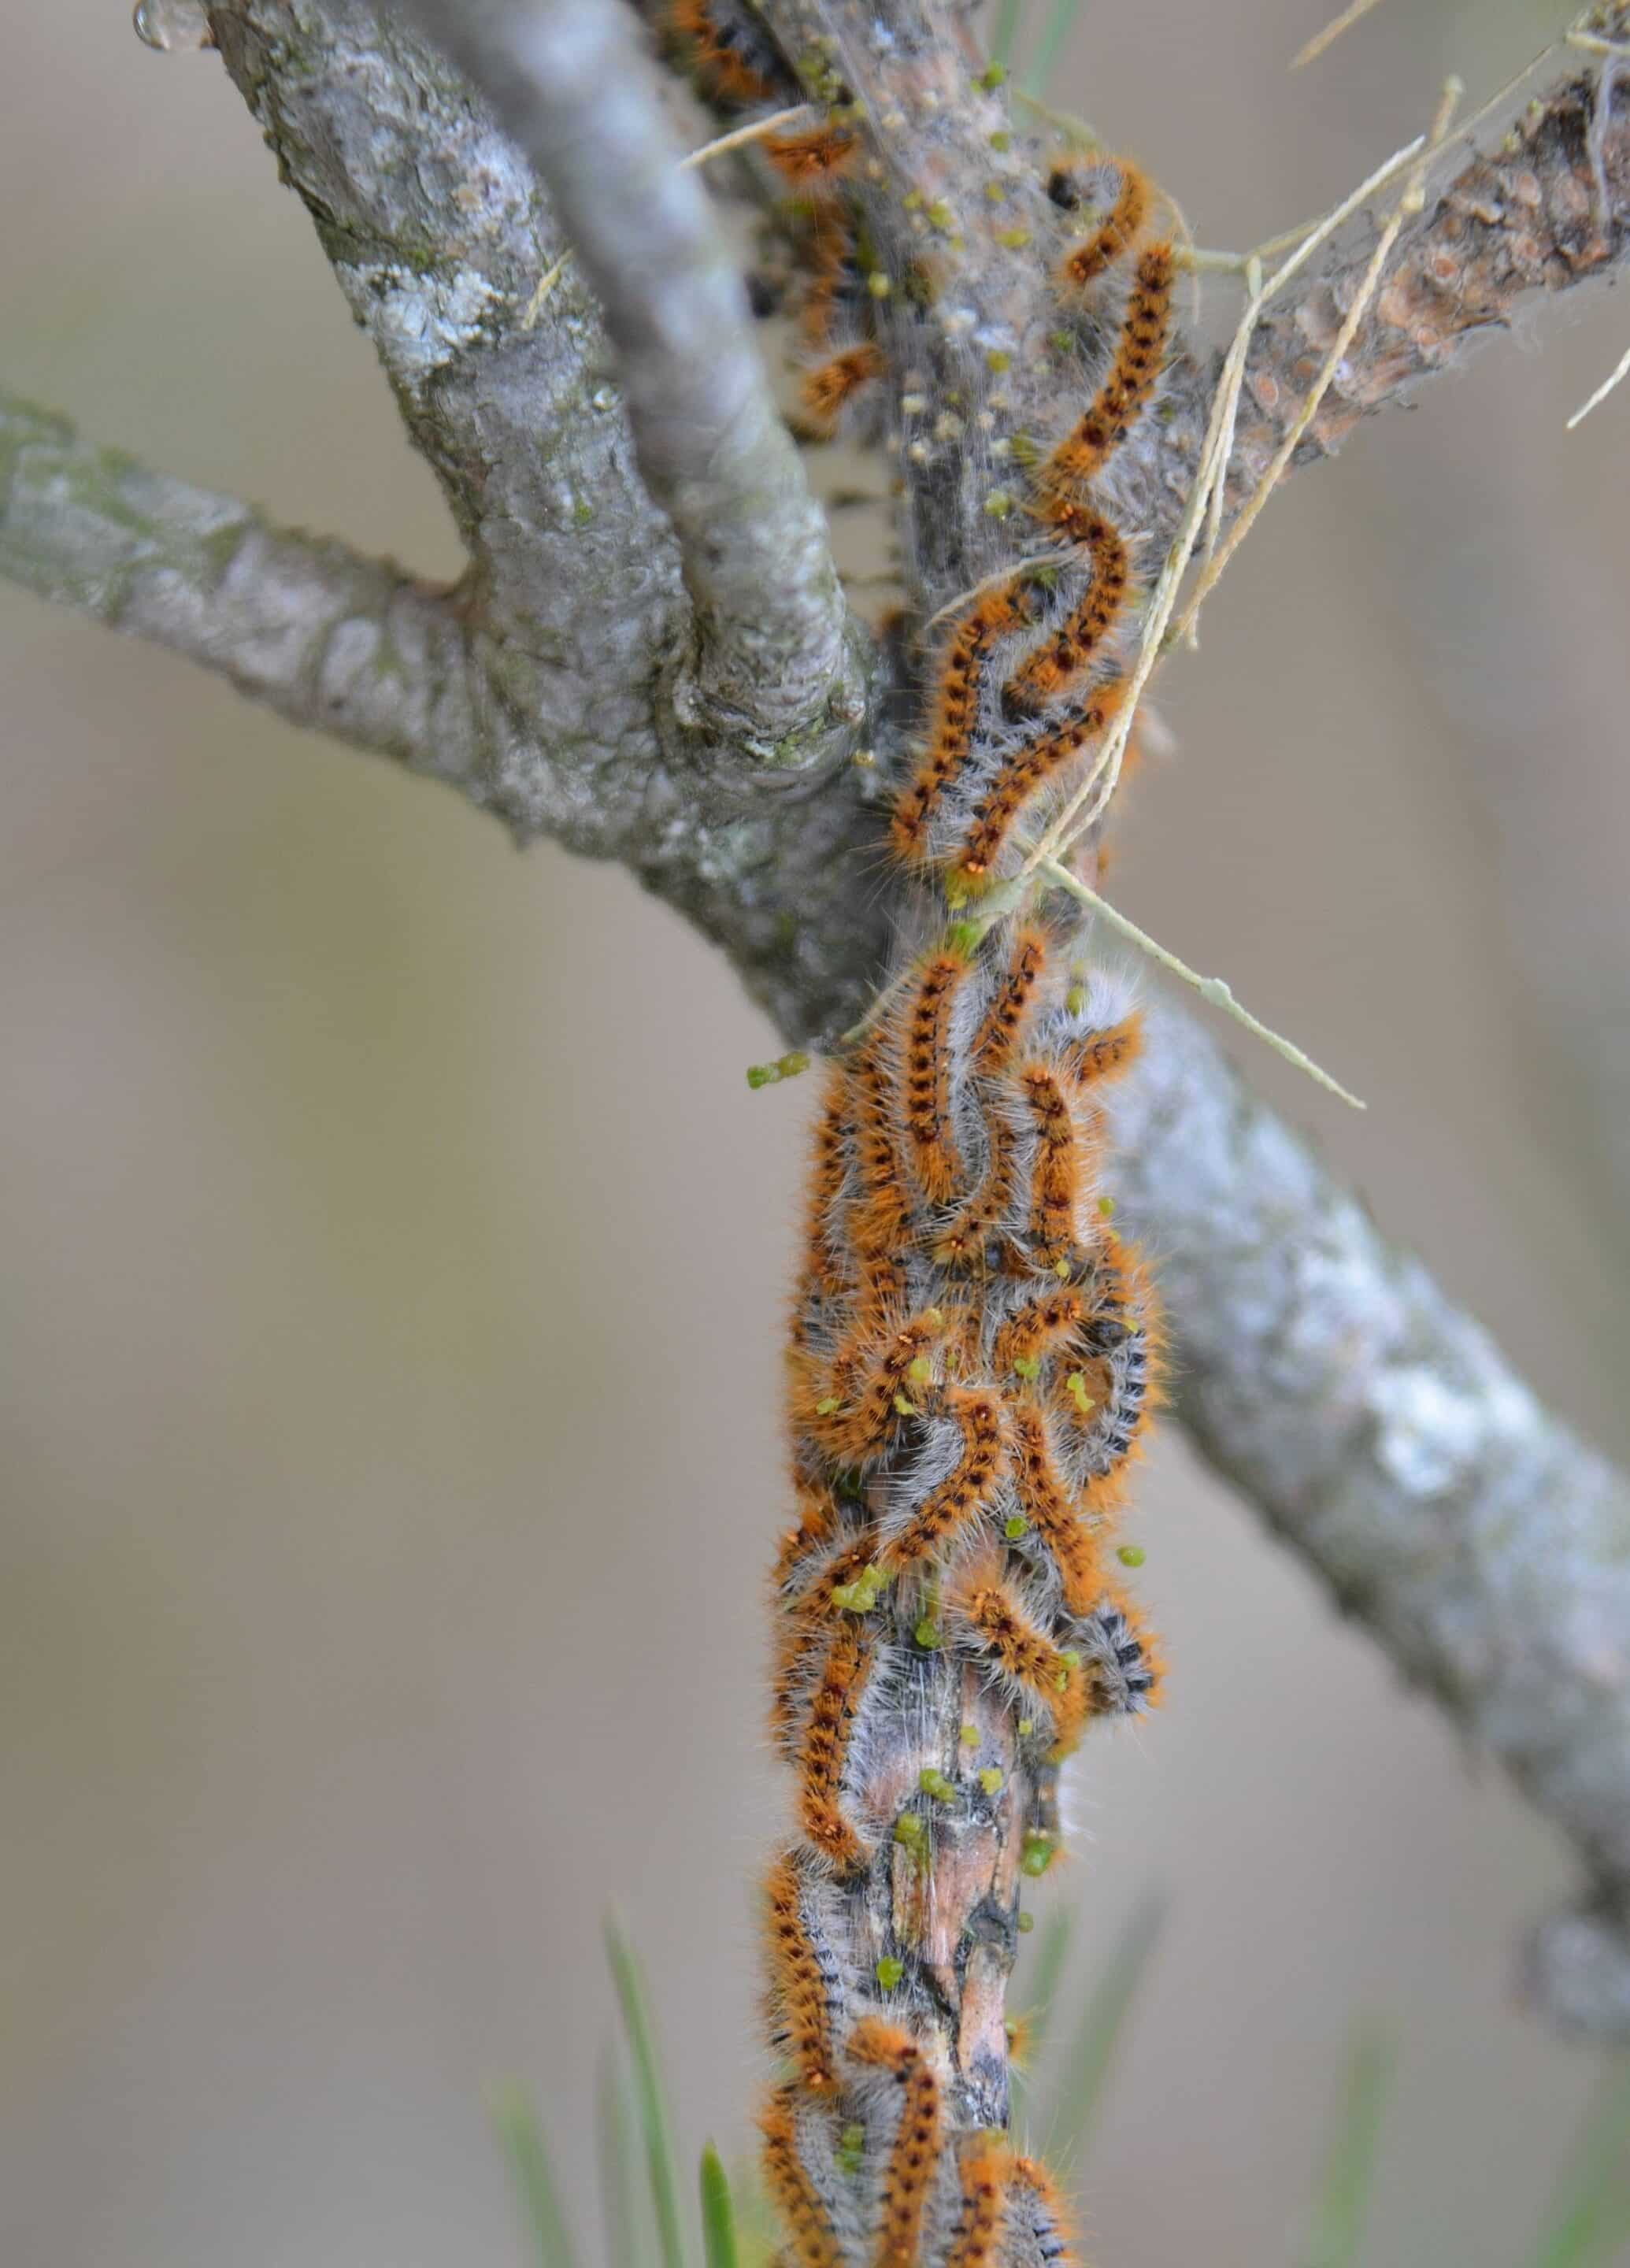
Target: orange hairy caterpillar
[(733, 59), (825, 1748), (811, 158), (817, 1524), (1103, 1056), (954, 708), (993, 1042), (1132, 375), (803, 1632), (1054, 1173), (881, 1214), (1035, 763), (1128, 1669), (803, 1627), (960, 1499), (825, 1268), (1068, 652), (1033, 2195), (855, 1420), (1043, 1503), (880, 2045), (1045, 1673), (813, 2243), (925, 1073), (833, 268), (1129, 1342), (1087, 261), (800, 2016), (914, 2157), (961, 1242), (1031, 1330), (985, 2170), (828, 389)]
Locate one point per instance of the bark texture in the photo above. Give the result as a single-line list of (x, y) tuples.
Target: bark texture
[(597, 676)]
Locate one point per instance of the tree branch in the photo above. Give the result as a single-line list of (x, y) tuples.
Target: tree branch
[(345, 644), (1322, 1373), (570, 81), (1382, 1437)]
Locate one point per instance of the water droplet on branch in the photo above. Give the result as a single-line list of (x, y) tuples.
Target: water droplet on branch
[(172, 26)]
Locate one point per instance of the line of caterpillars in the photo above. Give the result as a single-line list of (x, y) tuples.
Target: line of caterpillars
[(974, 1351)]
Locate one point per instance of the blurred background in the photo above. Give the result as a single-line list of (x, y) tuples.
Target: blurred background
[(395, 1253)]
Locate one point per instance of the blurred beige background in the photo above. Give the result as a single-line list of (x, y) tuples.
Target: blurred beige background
[(393, 1257)]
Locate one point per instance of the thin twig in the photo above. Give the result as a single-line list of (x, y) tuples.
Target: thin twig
[(1212, 990), (1408, 205), (1620, 372), (1330, 34), (738, 139)]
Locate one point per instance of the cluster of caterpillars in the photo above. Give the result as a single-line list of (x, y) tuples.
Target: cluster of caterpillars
[(974, 1351), (738, 67)]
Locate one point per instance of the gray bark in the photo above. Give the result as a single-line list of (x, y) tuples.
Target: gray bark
[(601, 673)]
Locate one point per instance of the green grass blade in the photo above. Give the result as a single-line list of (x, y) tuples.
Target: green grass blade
[(1342, 2205), (1038, 2005), (1005, 33), (1590, 2221), (516, 2122), (718, 2214), (652, 2096), (1092, 2050), (626, 2245), (1038, 77), (758, 2232)]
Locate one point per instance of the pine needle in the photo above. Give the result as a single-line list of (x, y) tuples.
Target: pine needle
[(1103, 2021), (1342, 2206), (516, 2122), (1590, 2221), (626, 2245), (1039, 2003), (1006, 33), (651, 2095), (1039, 75)]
